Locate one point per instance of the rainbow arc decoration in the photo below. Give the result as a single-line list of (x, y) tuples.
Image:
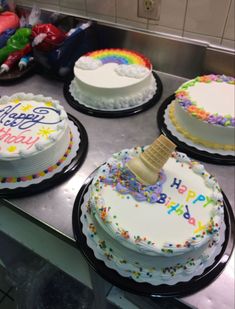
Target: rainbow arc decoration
[(120, 56)]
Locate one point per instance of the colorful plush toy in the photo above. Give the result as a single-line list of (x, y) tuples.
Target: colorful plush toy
[(8, 20), (47, 37), (5, 36), (16, 42)]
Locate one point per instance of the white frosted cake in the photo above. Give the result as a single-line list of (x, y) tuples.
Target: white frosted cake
[(154, 232), (35, 137), (204, 111), (110, 79)]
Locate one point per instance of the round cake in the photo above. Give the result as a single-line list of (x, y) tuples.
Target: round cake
[(168, 229), (110, 79), (203, 111), (34, 136)]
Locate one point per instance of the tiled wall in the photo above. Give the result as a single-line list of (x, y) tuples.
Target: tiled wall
[(205, 20)]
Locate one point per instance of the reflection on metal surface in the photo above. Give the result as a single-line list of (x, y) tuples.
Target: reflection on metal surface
[(224, 258), (167, 55), (107, 136)]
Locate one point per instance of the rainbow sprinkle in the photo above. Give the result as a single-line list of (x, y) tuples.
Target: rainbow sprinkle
[(125, 182)]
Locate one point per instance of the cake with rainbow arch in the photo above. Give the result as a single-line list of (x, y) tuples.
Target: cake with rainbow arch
[(111, 79), (204, 112), (35, 137), (154, 233)]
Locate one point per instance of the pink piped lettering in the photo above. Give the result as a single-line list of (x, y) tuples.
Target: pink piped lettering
[(21, 138), (167, 201), (31, 141), (182, 189), (192, 221), (5, 133)]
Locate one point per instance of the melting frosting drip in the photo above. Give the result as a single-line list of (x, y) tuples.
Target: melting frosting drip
[(125, 182)]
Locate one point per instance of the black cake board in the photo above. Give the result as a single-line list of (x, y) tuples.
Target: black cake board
[(15, 75), (178, 290), (59, 177)]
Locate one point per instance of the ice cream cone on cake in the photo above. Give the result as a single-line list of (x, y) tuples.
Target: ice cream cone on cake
[(147, 166)]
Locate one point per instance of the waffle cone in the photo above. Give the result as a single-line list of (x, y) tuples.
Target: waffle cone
[(147, 166)]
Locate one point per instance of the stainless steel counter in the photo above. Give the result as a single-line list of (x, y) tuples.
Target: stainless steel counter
[(53, 208)]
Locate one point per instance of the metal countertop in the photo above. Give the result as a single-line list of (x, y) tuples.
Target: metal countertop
[(54, 207)]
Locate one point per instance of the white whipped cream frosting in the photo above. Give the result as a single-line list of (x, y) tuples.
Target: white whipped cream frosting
[(132, 70), (88, 63)]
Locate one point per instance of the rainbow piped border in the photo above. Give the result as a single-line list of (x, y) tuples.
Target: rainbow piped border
[(195, 138), (183, 98), (41, 173), (120, 56)]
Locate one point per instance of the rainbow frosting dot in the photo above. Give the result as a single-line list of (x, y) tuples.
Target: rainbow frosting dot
[(120, 56)]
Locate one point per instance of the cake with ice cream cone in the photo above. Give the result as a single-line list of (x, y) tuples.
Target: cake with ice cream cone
[(158, 207)]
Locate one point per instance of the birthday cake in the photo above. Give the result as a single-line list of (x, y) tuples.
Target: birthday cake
[(203, 111), (35, 137), (110, 79), (153, 233)]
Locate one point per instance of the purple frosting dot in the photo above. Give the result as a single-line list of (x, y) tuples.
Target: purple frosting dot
[(232, 122), (126, 183), (211, 119)]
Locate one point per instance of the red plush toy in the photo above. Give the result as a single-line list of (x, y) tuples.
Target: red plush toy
[(8, 20), (46, 37)]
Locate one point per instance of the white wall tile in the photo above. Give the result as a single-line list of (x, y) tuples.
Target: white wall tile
[(158, 28), (48, 2), (230, 27), (228, 43), (206, 20), (131, 23), (102, 7), (128, 9), (172, 13), (207, 16), (101, 17), (72, 11), (25, 2), (76, 4), (48, 5), (203, 38)]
